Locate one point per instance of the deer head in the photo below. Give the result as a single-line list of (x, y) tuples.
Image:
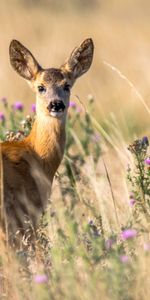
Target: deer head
[(52, 86)]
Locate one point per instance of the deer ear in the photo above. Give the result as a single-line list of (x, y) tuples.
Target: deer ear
[(23, 61), (80, 59)]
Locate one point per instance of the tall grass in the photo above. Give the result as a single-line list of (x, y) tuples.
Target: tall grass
[(121, 37), (91, 241)]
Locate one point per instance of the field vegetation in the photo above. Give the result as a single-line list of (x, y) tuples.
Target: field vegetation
[(93, 240)]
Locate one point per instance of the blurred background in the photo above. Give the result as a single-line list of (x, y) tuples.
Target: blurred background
[(121, 34)]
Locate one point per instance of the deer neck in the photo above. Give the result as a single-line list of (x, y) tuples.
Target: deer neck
[(47, 139)]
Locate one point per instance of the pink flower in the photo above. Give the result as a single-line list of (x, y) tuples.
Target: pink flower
[(78, 109), (147, 161), (33, 108), (132, 202), (145, 141), (2, 117), (4, 101), (40, 278), (124, 259), (72, 104), (146, 247), (128, 234), (18, 106)]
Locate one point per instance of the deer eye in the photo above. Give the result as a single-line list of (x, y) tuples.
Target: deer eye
[(67, 87), (41, 89)]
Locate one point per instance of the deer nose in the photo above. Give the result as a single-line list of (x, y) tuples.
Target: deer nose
[(56, 106)]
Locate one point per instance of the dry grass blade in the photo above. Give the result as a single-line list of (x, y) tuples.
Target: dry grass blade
[(112, 194), (131, 85)]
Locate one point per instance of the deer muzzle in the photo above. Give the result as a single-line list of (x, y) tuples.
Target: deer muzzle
[(56, 106)]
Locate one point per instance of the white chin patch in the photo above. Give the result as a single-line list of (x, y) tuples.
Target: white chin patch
[(56, 114)]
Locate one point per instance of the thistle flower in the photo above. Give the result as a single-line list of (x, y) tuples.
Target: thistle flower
[(33, 108), (145, 141), (147, 161), (90, 222), (124, 259), (78, 109), (93, 229), (4, 101), (132, 202), (128, 234), (40, 278), (146, 247), (72, 104), (2, 117), (139, 146), (18, 106)]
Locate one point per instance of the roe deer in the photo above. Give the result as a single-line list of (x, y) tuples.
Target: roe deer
[(29, 165)]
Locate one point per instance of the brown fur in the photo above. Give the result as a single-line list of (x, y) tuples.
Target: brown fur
[(29, 165), (53, 75)]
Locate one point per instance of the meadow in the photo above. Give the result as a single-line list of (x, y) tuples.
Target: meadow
[(93, 240)]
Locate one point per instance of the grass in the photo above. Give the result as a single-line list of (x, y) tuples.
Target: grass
[(112, 26), (90, 242), (93, 240)]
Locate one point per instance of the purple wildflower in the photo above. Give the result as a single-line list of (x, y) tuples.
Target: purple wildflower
[(33, 108), (2, 117), (128, 234), (40, 278), (146, 247), (124, 259), (78, 109), (18, 106), (90, 222), (132, 202), (147, 161), (72, 104), (145, 141), (4, 101)]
